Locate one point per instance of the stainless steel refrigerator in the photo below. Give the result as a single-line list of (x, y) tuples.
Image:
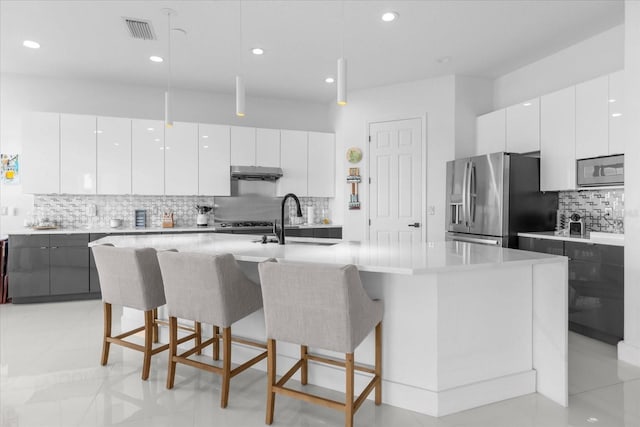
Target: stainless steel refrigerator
[(491, 198)]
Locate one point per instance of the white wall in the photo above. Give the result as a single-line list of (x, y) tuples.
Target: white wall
[(20, 94), (593, 57), (629, 349), (474, 96), (432, 99)]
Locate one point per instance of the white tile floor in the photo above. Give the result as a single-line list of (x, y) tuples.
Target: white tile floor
[(50, 376)]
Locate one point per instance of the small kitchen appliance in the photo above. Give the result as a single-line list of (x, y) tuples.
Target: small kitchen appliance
[(576, 225), (203, 215)]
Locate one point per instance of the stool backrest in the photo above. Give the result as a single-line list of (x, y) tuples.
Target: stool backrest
[(316, 305), (208, 288), (129, 277)]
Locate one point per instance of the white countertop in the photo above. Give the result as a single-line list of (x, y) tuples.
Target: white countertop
[(418, 258), (133, 230), (593, 237)]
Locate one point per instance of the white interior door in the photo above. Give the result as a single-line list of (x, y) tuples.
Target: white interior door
[(395, 165)]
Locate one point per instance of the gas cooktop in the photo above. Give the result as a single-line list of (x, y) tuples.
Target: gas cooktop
[(243, 224)]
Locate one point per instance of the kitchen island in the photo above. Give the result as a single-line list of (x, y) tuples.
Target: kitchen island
[(465, 324)]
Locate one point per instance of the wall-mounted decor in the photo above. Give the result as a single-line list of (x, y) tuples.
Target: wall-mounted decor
[(9, 169), (354, 179), (354, 155)]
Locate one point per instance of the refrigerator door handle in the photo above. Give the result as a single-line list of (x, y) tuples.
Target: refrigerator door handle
[(464, 195), (472, 194)]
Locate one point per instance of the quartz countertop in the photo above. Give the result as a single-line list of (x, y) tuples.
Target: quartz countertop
[(411, 258), (613, 239), (153, 230)]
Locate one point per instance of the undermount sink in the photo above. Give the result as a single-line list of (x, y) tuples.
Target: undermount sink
[(294, 242)]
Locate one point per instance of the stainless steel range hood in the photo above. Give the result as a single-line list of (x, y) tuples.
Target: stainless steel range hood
[(256, 173)]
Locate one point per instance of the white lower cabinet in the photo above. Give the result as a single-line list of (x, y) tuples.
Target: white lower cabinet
[(147, 157), (558, 141), (114, 155), (214, 154), (40, 161), (321, 173), (181, 159), (293, 161), (78, 154)]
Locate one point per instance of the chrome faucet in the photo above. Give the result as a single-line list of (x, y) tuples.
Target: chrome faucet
[(280, 234)]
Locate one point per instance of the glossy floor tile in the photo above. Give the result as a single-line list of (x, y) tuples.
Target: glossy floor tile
[(50, 376)]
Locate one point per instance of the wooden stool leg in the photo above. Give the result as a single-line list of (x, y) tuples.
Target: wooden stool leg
[(216, 343), (378, 363), (155, 326), (198, 329), (348, 406), (304, 368), (173, 350), (226, 366), (271, 379), (107, 333), (148, 338)]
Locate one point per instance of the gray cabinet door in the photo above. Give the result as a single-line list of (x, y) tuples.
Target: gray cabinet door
[(28, 271), (69, 270)]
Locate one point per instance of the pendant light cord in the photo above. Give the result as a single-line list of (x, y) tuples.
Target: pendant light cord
[(342, 31), (169, 50)]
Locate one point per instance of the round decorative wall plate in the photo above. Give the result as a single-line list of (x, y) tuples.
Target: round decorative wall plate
[(354, 155)]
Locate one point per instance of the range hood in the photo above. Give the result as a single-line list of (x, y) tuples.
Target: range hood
[(256, 173)]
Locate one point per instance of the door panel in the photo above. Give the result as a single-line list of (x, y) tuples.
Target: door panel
[(487, 181), (396, 181), (69, 272)]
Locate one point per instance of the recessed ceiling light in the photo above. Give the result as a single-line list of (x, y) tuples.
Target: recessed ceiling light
[(150, 129), (444, 60), (157, 140), (205, 146), (389, 16), (31, 44), (612, 100), (156, 58), (116, 144), (330, 80), (257, 51), (205, 136), (616, 115), (97, 131), (592, 420), (526, 104)]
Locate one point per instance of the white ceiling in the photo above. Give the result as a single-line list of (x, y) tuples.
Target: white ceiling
[(302, 40)]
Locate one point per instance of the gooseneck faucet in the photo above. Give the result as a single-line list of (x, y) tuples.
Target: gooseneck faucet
[(280, 234)]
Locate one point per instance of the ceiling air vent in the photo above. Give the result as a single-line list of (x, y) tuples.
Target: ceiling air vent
[(140, 29)]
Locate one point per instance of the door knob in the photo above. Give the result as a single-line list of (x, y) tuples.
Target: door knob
[(415, 224)]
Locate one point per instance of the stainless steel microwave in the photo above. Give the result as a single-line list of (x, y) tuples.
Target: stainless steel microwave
[(600, 171)]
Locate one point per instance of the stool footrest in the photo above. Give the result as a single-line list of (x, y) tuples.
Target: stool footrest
[(341, 363), (309, 398)]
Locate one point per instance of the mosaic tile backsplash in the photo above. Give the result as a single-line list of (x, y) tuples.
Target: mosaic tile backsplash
[(602, 210), (72, 211)]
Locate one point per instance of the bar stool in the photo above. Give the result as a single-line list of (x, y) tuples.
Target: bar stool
[(325, 307), (131, 278), (210, 289)]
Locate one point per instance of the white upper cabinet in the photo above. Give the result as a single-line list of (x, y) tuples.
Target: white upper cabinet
[(592, 123), (523, 127), (243, 146), (40, 162), (77, 154), (268, 147), (114, 155), (293, 161), (321, 165), (616, 113), (214, 148), (557, 141), (491, 132), (147, 157), (181, 159)]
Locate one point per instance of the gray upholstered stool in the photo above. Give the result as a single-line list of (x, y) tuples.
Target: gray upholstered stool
[(131, 278), (210, 289), (325, 307)]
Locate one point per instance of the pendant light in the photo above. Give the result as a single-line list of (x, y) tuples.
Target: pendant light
[(240, 91), (342, 69), (168, 116)]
